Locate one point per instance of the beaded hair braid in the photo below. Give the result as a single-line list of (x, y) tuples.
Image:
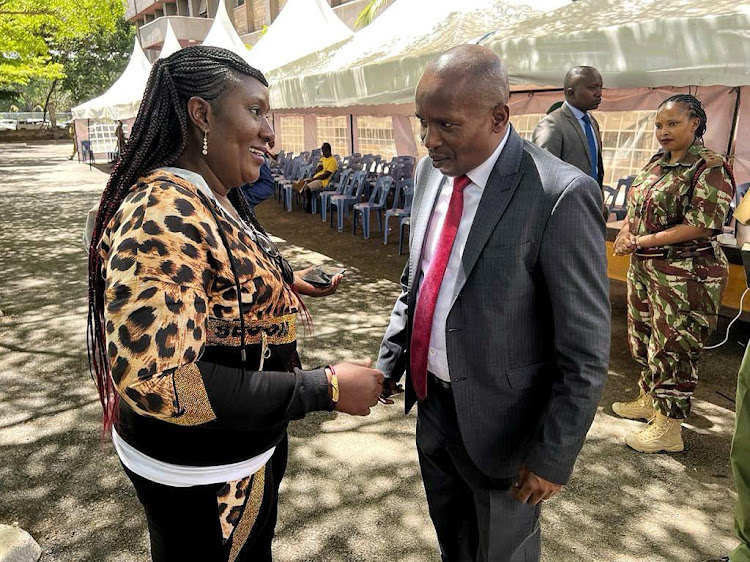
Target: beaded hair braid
[(158, 137), (694, 108)]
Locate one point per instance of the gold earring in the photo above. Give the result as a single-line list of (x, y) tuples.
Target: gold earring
[(205, 142)]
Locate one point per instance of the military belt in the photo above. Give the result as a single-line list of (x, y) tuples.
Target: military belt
[(675, 252)]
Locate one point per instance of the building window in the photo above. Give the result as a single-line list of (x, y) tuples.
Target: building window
[(375, 136), (628, 142), (335, 131), (102, 135), (240, 3), (416, 129), (291, 132), (525, 124), (628, 139)]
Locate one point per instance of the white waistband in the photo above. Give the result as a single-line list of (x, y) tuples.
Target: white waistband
[(180, 476)]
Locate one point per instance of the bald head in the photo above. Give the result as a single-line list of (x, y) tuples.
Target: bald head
[(461, 103), (473, 71), (583, 87)]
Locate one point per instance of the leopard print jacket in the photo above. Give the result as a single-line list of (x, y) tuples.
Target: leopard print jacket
[(170, 293)]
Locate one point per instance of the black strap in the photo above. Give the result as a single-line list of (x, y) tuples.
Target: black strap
[(233, 266)]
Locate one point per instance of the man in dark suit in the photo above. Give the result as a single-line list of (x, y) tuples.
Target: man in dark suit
[(570, 132), (502, 326)]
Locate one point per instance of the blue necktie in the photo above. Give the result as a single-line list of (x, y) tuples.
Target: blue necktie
[(592, 145)]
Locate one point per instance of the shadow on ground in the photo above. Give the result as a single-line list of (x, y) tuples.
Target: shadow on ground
[(353, 490)]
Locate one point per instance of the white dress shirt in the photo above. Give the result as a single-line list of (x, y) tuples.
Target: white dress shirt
[(437, 358), (579, 117)]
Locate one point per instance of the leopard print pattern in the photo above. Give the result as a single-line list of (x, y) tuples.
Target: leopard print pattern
[(231, 499), (167, 279)]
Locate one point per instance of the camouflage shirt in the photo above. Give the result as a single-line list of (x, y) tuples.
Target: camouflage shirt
[(664, 194)]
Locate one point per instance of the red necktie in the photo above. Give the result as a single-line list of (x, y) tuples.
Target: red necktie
[(428, 293)]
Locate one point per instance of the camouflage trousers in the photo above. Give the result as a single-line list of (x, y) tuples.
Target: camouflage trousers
[(673, 306)]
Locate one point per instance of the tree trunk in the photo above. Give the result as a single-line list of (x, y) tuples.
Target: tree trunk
[(46, 103)]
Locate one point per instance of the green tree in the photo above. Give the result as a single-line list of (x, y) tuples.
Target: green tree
[(93, 62), (370, 12), (30, 30)]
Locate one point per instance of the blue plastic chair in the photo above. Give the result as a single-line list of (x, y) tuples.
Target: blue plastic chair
[(303, 171), (401, 204), (352, 195), (621, 209), (87, 153), (403, 224), (286, 173), (325, 196), (334, 182), (610, 195), (377, 202)]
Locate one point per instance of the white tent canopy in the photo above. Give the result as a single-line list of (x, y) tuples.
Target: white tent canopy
[(645, 43), (222, 34), (123, 98), (382, 63), (171, 44), (302, 27)]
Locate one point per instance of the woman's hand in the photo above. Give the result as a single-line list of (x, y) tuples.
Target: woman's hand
[(625, 245), (360, 387), (625, 242), (305, 288)]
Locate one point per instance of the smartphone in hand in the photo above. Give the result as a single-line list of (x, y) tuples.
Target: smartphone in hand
[(322, 276)]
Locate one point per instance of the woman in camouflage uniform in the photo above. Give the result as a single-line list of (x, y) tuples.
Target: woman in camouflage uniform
[(676, 206)]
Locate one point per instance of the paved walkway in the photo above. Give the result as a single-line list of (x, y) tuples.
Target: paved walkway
[(353, 490)]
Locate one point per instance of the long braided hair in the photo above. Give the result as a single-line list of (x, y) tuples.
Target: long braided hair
[(694, 108), (158, 137)]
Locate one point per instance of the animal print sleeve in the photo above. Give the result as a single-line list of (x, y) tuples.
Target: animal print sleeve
[(157, 271), (156, 305)]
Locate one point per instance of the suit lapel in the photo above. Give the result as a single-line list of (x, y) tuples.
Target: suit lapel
[(579, 131), (497, 194), (429, 184)]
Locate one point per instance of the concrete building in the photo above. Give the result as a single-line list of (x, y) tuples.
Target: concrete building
[(191, 19)]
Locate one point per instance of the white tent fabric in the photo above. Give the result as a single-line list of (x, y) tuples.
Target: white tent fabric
[(171, 44), (222, 34), (382, 63), (302, 27), (122, 100), (644, 43)]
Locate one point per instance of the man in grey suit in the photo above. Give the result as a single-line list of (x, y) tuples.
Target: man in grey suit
[(502, 326), (570, 132)]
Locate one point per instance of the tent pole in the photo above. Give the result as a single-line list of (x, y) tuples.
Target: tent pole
[(351, 133), (735, 118), (88, 138)]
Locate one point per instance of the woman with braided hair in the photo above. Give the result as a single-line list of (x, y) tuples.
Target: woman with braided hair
[(192, 317), (676, 206)]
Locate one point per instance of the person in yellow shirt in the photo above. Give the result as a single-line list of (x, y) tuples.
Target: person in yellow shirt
[(321, 177)]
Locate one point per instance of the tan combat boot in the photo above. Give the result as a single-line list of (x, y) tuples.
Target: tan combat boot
[(641, 408), (661, 434)]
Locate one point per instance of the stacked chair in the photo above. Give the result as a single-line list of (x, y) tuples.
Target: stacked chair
[(351, 195), (362, 184), (377, 202), (401, 208)]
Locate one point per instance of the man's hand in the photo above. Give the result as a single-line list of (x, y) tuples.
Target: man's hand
[(305, 288), (390, 388), (533, 489)]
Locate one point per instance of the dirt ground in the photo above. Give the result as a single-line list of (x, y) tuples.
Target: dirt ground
[(353, 490)]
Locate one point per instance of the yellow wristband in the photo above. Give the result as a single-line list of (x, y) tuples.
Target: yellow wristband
[(334, 385)]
